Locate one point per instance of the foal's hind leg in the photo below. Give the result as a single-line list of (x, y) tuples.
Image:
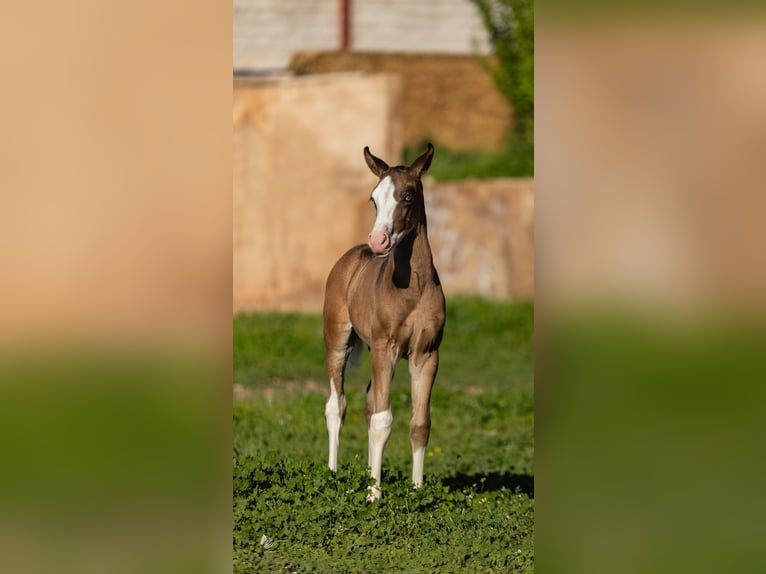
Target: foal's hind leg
[(423, 369), (339, 338)]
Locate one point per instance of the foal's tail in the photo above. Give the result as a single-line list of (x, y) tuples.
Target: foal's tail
[(355, 357)]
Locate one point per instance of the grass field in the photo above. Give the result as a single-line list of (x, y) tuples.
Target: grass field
[(475, 512)]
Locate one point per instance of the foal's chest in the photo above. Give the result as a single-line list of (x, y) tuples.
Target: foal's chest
[(400, 325)]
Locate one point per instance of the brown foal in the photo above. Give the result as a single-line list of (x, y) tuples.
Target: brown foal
[(387, 295)]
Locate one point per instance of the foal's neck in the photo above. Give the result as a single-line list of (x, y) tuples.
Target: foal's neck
[(413, 264)]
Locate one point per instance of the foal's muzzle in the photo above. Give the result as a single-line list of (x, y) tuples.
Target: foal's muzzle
[(379, 242)]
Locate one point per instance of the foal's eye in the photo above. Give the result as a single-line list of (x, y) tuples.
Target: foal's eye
[(408, 197)]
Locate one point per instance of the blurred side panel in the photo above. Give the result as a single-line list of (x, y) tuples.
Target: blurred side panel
[(651, 280), (115, 297)]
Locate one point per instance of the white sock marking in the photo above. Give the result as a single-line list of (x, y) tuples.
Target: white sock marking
[(418, 457), (332, 417), (418, 453), (380, 430)]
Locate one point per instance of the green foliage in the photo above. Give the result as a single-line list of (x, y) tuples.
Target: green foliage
[(510, 24), (486, 343), (315, 520), (475, 512), (515, 159), (274, 345)]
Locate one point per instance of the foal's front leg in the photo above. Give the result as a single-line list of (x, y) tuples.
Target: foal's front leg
[(423, 367), (379, 417)]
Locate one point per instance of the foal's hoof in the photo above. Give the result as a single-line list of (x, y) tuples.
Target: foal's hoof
[(375, 494)]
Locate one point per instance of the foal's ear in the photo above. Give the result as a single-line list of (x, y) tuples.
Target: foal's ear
[(421, 165), (376, 165)]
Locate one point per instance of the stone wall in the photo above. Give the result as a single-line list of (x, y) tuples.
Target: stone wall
[(482, 235), (301, 194), (448, 99), (300, 181)]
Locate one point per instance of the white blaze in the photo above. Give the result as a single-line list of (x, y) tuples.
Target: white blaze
[(385, 203)]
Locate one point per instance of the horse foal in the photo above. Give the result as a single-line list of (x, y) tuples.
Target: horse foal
[(387, 295)]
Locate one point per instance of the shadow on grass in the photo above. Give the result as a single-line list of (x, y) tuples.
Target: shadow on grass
[(492, 481)]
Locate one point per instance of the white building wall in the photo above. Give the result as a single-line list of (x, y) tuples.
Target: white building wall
[(440, 26), (268, 32)]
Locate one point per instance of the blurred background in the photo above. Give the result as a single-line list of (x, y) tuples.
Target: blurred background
[(316, 82), (116, 238)]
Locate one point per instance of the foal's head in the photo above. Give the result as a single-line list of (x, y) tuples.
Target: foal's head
[(398, 200)]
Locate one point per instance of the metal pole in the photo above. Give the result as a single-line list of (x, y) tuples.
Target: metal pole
[(345, 25)]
